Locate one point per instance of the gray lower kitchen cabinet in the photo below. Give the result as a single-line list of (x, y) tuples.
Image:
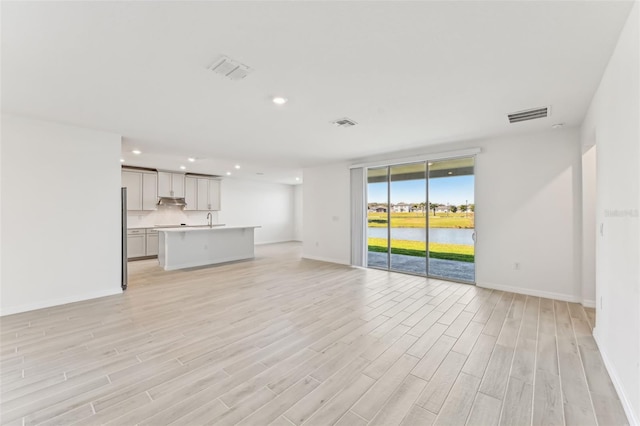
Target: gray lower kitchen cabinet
[(142, 242), (152, 242), (136, 243)]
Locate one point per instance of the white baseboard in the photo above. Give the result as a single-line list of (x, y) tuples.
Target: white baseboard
[(359, 267), (531, 292), (588, 303), (276, 242), (325, 259), (56, 302), (626, 404)]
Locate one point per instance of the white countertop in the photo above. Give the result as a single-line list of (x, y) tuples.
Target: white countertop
[(174, 226), (204, 228)]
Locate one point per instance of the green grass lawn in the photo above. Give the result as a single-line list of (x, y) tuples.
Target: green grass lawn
[(417, 220), (459, 252)]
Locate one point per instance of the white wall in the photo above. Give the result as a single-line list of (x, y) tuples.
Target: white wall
[(298, 192), (588, 275), (528, 210), (614, 119), (326, 221), (60, 214), (269, 205)]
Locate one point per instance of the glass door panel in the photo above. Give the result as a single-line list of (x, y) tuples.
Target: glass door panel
[(378, 217), (452, 219), (408, 196)]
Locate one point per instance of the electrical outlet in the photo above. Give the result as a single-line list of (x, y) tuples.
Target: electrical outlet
[(317, 244), (516, 266), (600, 302)]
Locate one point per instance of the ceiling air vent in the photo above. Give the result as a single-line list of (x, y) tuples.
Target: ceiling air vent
[(344, 122), (530, 114), (230, 68)]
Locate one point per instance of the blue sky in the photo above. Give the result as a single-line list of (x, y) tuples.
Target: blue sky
[(449, 190)]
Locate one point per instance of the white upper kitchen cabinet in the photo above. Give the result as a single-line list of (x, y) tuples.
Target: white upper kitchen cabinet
[(191, 193), (142, 189), (149, 191), (203, 194), (171, 184), (133, 182), (214, 194), (208, 194)]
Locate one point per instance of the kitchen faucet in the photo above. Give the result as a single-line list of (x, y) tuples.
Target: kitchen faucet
[(210, 219)]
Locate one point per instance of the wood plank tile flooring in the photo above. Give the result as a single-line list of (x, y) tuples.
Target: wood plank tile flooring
[(284, 341)]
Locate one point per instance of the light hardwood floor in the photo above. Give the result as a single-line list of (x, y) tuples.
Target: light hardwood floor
[(283, 341)]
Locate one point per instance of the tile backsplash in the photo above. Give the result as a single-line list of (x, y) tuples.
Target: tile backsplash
[(167, 215)]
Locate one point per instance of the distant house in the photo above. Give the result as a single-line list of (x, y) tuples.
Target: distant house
[(417, 209), (401, 208), (377, 208), (443, 209)]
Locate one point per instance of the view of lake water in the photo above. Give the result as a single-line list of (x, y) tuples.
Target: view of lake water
[(436, 235)]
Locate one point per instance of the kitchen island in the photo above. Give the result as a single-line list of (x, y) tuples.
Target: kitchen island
[(183, 247)]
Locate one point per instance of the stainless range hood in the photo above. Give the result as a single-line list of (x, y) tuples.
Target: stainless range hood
[(171, 201)]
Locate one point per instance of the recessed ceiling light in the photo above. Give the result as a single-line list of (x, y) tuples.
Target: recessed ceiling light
[(279, 100), (122, 160), (297, 178), (183, 168), (191, 159), (237, 166), (136, 152), (557, 126), (228, 173)]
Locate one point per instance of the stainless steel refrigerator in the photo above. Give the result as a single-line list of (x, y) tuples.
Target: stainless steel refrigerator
[(123, 237)]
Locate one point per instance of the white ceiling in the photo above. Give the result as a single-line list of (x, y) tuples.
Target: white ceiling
[(410, 73)]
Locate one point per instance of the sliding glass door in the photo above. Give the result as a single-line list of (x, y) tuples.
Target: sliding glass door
[(419, 205), (408, 196), (452, 220), (378, 217)]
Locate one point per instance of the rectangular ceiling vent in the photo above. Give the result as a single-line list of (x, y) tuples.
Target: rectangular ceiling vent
[(530, 114), (230, 68), (344, 122)]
